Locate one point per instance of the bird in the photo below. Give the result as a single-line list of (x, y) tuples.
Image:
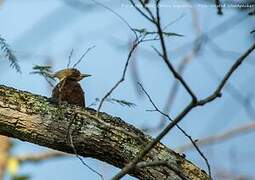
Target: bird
[(69, 89)]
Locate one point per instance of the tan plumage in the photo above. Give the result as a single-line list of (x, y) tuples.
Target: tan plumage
[(69, 89)]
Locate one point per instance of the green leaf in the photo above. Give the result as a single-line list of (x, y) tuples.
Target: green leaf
[(45, 71), (172, 34), (121, 102), (8, 53), (113, 100)]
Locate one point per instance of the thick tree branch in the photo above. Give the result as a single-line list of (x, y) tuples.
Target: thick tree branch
[(34, 119)]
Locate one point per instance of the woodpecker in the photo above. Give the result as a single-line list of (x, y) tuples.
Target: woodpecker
[(68, 89)]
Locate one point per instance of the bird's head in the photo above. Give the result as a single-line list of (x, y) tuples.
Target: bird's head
[(70, 73)]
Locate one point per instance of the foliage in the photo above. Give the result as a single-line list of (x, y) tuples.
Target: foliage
[(121, 102), (9, 55), (45, 71)]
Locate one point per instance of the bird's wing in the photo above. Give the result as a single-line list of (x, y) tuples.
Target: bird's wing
[(69, 91)]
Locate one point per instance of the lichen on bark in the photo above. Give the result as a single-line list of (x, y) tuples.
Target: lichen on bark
[(35, 119)]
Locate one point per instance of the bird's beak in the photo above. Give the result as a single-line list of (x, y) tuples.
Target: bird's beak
[(85, 75)]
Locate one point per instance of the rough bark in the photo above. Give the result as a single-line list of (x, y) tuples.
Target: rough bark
[(35, 119)]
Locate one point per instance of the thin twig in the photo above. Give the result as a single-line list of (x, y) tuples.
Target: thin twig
[(48, 81), (134, 71), (215, 32), (141, 12), (69, 58), (83, 55), (147, 148), (164, 56), (163, 163), (193, 142), (217, 92), (135, 44), (70, 138), (147, 9), (180, 69), (119, 16), (245, 101), (219, 137), (194, 103), (185, 111), (219, 7), (45, 71)]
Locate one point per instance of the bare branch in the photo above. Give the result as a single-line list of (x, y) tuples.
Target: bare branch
[(180, 69), (193, 142), (162, 163), (245, 101), (119, 16), (134, 46), (220, 137), (131, 165), (69, 59), (183, 113), (141, 12), (194, 103), (219, 7), (217, 92), (84, 54), (70, 140), (147, 9), (166, 59)]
